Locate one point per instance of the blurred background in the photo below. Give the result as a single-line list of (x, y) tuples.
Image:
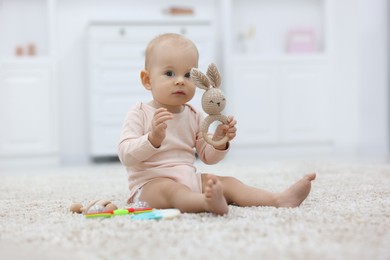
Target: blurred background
[(303, 78)]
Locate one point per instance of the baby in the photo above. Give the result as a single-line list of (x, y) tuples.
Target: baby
[(159, 137)]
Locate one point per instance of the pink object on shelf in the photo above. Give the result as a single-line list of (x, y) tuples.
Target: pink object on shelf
[(176, 10), (19, 51), (31, 49), (301, 41)]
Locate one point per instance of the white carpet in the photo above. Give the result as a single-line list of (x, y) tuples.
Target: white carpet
[(347, 216)]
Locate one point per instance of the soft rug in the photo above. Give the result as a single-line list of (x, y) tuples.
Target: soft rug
[(346, 216)]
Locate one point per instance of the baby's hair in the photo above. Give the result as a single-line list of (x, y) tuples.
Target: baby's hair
[(174, 38)]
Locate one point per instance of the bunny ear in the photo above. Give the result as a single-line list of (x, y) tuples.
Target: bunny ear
[(200, 80), (214, 76)]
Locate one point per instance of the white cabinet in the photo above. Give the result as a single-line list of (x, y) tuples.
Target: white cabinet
[(277, 81), (252, 94), (27, 114), (115, 59), (279, 102), (28, 95), (304, 102)]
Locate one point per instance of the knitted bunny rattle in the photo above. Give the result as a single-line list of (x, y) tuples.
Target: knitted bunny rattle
[(213, 100)]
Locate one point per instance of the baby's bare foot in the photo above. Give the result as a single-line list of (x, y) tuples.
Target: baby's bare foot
[(297, 193), (215, 200)]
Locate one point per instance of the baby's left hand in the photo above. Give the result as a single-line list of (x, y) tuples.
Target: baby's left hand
[(229, 129)]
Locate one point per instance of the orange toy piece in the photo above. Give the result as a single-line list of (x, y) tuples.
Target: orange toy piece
[(94, 206)]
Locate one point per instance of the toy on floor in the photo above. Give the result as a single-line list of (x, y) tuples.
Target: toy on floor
[(213, 100), (118, 212), (158, 214), (93, 207), (105, 209), (138, 213)]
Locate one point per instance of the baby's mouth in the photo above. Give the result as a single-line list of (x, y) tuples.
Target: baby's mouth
[(179, 92)]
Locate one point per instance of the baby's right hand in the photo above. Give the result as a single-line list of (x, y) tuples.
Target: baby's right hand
[(158, 132)]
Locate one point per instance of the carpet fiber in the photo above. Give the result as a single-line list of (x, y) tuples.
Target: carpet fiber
[(346, 216)]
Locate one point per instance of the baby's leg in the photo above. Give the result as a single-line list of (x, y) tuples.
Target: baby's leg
[(166, 193), (241, 194)]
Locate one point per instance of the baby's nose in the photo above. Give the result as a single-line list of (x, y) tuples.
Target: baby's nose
[(180, 81)]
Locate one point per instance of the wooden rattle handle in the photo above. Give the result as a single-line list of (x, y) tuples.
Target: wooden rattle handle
[(205, 129)]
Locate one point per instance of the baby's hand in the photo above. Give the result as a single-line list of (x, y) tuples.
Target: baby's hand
[(229, 129), (158, 132)]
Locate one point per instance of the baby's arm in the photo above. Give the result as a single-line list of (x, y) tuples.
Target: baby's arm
[(135, 145)]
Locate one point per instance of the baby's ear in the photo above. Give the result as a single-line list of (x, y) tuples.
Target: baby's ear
[(145, 79)]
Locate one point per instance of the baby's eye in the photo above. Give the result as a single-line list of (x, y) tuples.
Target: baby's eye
[(170, 73), (187, 75)]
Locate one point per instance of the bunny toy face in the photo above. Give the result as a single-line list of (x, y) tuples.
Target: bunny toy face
[(213, 101)]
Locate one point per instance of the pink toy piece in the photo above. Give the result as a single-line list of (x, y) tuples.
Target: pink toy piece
[(301, 41)]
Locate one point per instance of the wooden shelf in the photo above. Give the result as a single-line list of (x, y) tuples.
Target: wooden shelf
[(24, 23), (27, 60)]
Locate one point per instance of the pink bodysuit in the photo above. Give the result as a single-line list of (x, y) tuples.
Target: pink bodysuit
[(175, 157)]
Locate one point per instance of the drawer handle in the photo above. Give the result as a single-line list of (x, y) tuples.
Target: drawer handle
[(122, 32)]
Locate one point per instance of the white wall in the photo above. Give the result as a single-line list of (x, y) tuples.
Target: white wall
[(360, 67), (344, 57), (359, 64), (373, 77)]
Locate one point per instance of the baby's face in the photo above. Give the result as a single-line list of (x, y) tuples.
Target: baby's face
[(169, 71)]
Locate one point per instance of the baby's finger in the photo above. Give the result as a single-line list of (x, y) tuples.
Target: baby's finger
[(231, 130), (160, 109), (160, 112), (231, 135), (162, 118), (232, 124), (231, 121)]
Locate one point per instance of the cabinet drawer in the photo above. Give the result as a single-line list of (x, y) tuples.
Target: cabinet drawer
[(109, 43), (115, 80), (114, 51), (140, 33)]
